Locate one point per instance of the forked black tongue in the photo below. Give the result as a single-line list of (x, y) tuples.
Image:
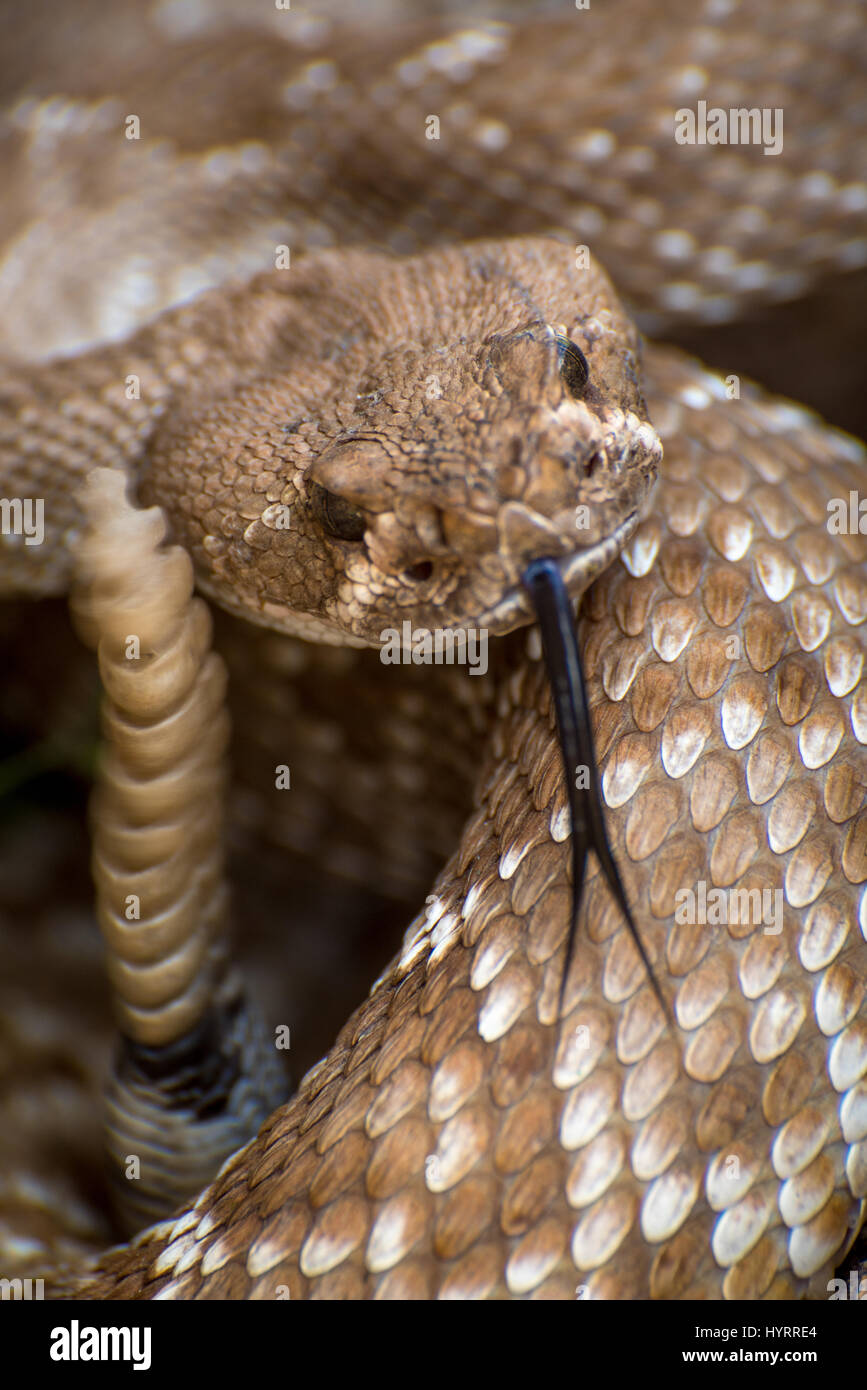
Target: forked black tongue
[(544, 585)]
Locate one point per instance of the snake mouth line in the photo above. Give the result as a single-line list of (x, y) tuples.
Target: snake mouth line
[(577, 571)]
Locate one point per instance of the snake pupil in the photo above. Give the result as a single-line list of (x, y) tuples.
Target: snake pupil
[(573, 366), (338, 517)]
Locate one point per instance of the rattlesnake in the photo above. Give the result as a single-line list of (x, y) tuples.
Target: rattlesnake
[(459, 1140)]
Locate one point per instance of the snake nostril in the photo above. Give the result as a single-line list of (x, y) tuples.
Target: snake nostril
[(417, 574), (592, 463)]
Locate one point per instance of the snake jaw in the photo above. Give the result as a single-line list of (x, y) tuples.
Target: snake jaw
[(577, 570)]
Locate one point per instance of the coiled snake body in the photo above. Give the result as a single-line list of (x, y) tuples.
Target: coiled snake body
[(360, 440)]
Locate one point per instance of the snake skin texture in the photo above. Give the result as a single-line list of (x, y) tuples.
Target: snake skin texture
[(459, 1140)]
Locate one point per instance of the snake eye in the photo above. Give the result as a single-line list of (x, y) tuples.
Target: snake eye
[(339, 518), (573, 367)]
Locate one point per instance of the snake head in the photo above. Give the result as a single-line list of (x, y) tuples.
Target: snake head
[(458, 415), (456, 473)]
